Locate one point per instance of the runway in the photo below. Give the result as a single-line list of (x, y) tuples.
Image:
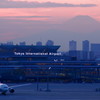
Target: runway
[(69, 91)]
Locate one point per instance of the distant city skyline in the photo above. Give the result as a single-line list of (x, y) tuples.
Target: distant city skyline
[(56, 20), (86, 45), (88, 50)]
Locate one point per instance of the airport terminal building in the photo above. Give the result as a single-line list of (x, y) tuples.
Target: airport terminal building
[(41, 63)]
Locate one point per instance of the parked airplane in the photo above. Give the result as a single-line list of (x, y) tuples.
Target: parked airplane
[(4, 88)]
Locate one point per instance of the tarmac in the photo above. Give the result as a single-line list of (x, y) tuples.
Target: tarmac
[(58, 91)]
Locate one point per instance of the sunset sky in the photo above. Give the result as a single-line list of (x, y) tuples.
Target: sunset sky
[(36, 20)]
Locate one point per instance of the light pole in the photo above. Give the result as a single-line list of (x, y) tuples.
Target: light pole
[(38, 79), (37, 83), (48, 75)]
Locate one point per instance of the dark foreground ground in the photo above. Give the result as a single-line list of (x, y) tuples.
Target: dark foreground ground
[(69, 91)]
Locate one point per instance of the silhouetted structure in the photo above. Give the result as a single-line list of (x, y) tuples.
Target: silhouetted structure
[(49, 43), (22, 43), (39, 43), (85, 46), (72, 45), (95, 48)]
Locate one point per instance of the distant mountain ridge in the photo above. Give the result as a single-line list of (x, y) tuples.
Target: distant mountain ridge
[(82, 24), (83, 17)]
